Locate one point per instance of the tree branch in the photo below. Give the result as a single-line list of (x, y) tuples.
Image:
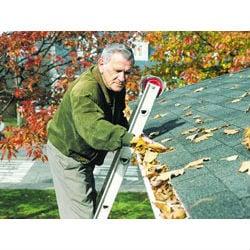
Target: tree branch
[(203, 39), (8, 104)]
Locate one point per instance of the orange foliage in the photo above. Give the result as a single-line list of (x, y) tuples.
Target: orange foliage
[(188, 57), (39, 76)]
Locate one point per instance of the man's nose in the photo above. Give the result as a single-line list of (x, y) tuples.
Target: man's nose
[(121, 77)]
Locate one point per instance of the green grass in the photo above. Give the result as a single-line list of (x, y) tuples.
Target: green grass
[(131, 206), (25, 203), (41, 204), (10, 121)]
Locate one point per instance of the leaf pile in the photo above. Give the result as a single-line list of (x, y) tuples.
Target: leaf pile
[(159, 176)]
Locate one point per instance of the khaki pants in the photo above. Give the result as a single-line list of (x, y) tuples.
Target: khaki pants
[(74, 185)]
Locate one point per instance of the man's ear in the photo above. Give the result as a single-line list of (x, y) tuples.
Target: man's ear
[(100, 64)]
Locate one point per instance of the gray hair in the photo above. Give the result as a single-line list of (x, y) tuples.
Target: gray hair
[(113, 48)]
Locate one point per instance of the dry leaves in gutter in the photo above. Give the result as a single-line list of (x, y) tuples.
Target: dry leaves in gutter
[(159, 175)]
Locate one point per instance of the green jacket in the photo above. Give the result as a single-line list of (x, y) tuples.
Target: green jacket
[(89, 121)]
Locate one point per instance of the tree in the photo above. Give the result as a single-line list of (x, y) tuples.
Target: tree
[(35, 70), (187, 57)]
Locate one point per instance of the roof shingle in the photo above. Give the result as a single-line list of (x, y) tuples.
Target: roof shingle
[(217, 190)]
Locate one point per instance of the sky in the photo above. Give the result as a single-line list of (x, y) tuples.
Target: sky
[(124, 15)]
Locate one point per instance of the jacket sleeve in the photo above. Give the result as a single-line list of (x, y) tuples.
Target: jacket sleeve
[(89, 121)]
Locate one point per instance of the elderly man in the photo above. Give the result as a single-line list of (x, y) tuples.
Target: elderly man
[(88, 123)]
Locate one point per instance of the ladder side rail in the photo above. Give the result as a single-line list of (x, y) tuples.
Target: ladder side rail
[(107, 179)]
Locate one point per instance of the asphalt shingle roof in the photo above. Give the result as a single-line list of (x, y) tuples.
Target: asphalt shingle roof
[(217, 190)]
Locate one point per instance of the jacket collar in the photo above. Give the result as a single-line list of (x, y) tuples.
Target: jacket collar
[(97, 75)]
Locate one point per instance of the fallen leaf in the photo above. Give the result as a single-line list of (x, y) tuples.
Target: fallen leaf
[(170, 149), (188, 113), (150, 156), (224, 126), (209, 130), (199, 121), (235, 87), (177, 105), (160, 115), (157, 147), (189, 131), (166, 176), (231, 158), (245, 94), (179, 214), (186, 108), (203, 137), (166, 210), (198, 90), (192, 137), (162, 194), (166, 140), (157, 116), (137, 140), (155, 182), (236, 100), (161, 167), (139, 144), (231, 131), (152, 134), (245, 166), (196, 116), (197, 163), (150, 170), (163, 101)]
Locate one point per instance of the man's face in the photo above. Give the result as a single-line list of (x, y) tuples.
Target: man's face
[(115, 73)]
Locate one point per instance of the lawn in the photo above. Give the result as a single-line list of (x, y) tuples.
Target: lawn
[(10, 121), (41, 204)]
